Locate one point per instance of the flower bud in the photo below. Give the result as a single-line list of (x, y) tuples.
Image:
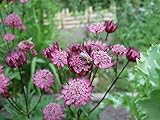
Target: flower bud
[(132, 55), (110, 26)]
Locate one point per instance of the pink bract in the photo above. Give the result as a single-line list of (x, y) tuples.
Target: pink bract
[(96, 28), (133, 55), (53, 111), (13, 20), (9, 37), (77, 92), (119, 49), (16, 59), (101, 59), (4, 83), (43, 79)]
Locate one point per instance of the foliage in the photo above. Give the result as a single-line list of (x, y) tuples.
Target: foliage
[(138, 22), (81, 5), (142, 96)]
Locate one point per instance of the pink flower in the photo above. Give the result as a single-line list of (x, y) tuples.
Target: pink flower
[(96, 45), (43, 79), (13, 20), (16, 59), (132, 55), (119, 49), (26, 46), (53, 111), (110, 26), (59, 58), (96, 28), (4, 83), (56, 55), (1, 69), (23, 1), (9, 37), (78, 91), (101, 59), (21, 27), (48, 51), (79, 59)]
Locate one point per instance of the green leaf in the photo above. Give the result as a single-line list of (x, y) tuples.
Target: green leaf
[(149, 65), (151, 106)]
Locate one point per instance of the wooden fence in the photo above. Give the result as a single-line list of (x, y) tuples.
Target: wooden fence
[(66, 20)]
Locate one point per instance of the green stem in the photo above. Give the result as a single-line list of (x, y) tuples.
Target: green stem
[(25, 94), (36, 104), (109, 88)]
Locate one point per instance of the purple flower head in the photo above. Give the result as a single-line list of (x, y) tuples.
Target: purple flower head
[(16, 59), (132, 55), (78, 91), (9, 37), (53, 111), (23, 1), (78, 60), (119, 49), (13, 20), (110, 26), (59, 58), (48, 51), (26, 46), (21, 27), (43, 79), (56, 55), (95, 45), (101, 59), (1, 69), (96, 28), (4, 83)]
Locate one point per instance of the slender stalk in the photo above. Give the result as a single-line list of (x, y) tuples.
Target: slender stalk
[(116, 69), (17, 104), (78, 115), (94, 75), (15, 107), (109, 88), (106, 37), (36, 104), (25, 95), (71, 111)]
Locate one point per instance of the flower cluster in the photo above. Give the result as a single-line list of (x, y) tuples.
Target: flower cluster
[(4, 83), (43, 79), (78, 91), (16, 59), (14, 21), (53, 111), (56, 55)]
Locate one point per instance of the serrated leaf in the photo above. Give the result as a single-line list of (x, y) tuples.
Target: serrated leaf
[(151, 106)]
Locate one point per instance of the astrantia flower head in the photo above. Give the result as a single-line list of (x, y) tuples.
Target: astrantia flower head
[(1, 69), (78, 59), (132, 55), (4, 83), (110, 26), (43, 79), (16, 59), (56, 55), (101, 59), (119, 49), (78, 91), (53, 111), (96, 28), (9, 37), (59, 58), (26, 46), (13, 20), (95, 45), (48, 51)]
